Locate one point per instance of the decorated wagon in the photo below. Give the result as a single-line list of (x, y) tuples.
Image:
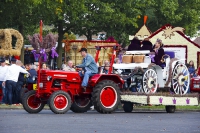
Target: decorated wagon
[(171, 81)]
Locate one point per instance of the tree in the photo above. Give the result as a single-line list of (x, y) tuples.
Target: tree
[(182, 13)]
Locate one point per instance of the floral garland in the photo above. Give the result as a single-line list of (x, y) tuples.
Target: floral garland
[(42, 48)]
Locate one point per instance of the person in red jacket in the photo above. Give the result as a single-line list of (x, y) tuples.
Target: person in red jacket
[(198, 71)]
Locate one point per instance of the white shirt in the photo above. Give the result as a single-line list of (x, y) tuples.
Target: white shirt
[(3, 72), (13, 72)]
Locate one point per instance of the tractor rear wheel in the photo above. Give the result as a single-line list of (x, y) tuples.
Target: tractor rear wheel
[(128, 107), (31, 103), (105, 96), (59, 102), (81, 104)]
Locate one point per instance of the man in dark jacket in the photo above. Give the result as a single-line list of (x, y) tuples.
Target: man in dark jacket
[(33, 74), (27, 56), (20, 83), (135, 45), (147, 45)]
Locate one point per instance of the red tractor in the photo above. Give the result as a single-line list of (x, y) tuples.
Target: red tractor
[(62, 90)]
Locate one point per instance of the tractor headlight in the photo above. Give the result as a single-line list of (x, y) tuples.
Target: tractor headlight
[(49, 78)]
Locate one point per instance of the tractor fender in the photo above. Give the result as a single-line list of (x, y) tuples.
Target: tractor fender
[(99, 77), (159, 72)]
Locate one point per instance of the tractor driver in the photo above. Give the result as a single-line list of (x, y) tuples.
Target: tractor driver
[(89, 67)]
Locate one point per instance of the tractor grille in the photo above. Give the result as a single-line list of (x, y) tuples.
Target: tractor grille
[(43, 79)]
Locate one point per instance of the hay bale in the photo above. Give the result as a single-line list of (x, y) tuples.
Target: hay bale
[(6, 42)]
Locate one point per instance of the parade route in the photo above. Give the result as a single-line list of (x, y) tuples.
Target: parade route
[(19, 121)]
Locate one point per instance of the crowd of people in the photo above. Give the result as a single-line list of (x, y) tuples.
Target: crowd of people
[(13, 76)]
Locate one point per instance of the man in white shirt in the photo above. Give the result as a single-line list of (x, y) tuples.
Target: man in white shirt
[(12, 78), (3, 72), (69, 66)]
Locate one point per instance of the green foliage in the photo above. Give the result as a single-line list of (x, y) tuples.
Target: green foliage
[(118, 18)]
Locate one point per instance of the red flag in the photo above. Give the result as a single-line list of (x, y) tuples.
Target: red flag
[(145, 19)]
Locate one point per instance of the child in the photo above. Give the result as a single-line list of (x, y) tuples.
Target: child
[(191, 68)]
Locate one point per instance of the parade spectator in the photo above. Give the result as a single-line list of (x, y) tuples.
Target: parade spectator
[(12, 79), (159, 52), (28, 66), (69, 66), (106, 68), (147, 45), (196, 73), (33, 74), (117, 71), (191, 68), (44, 66), (63, 65), (135, 45), (19, 85), (89, 67), (7, 62), (3, 72), (27, 56)]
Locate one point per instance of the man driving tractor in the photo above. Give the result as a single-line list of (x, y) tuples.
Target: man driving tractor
[(89, 67)]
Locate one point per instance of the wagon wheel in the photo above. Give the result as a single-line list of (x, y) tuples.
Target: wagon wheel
[(150, 81), (180, 79)]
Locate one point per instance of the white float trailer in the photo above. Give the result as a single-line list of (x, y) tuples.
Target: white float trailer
[(155, 85)]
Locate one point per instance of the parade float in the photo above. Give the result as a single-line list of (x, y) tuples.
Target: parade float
[(72, 48), (174, 39), (7, 49), (45, 47)]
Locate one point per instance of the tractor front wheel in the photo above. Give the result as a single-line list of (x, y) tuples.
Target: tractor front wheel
[(31, 103), (59, 102), (105, 96)]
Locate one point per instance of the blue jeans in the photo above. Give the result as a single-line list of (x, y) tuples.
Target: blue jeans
[(16, 97), (4, 91), (11, 87), (86, 77)]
